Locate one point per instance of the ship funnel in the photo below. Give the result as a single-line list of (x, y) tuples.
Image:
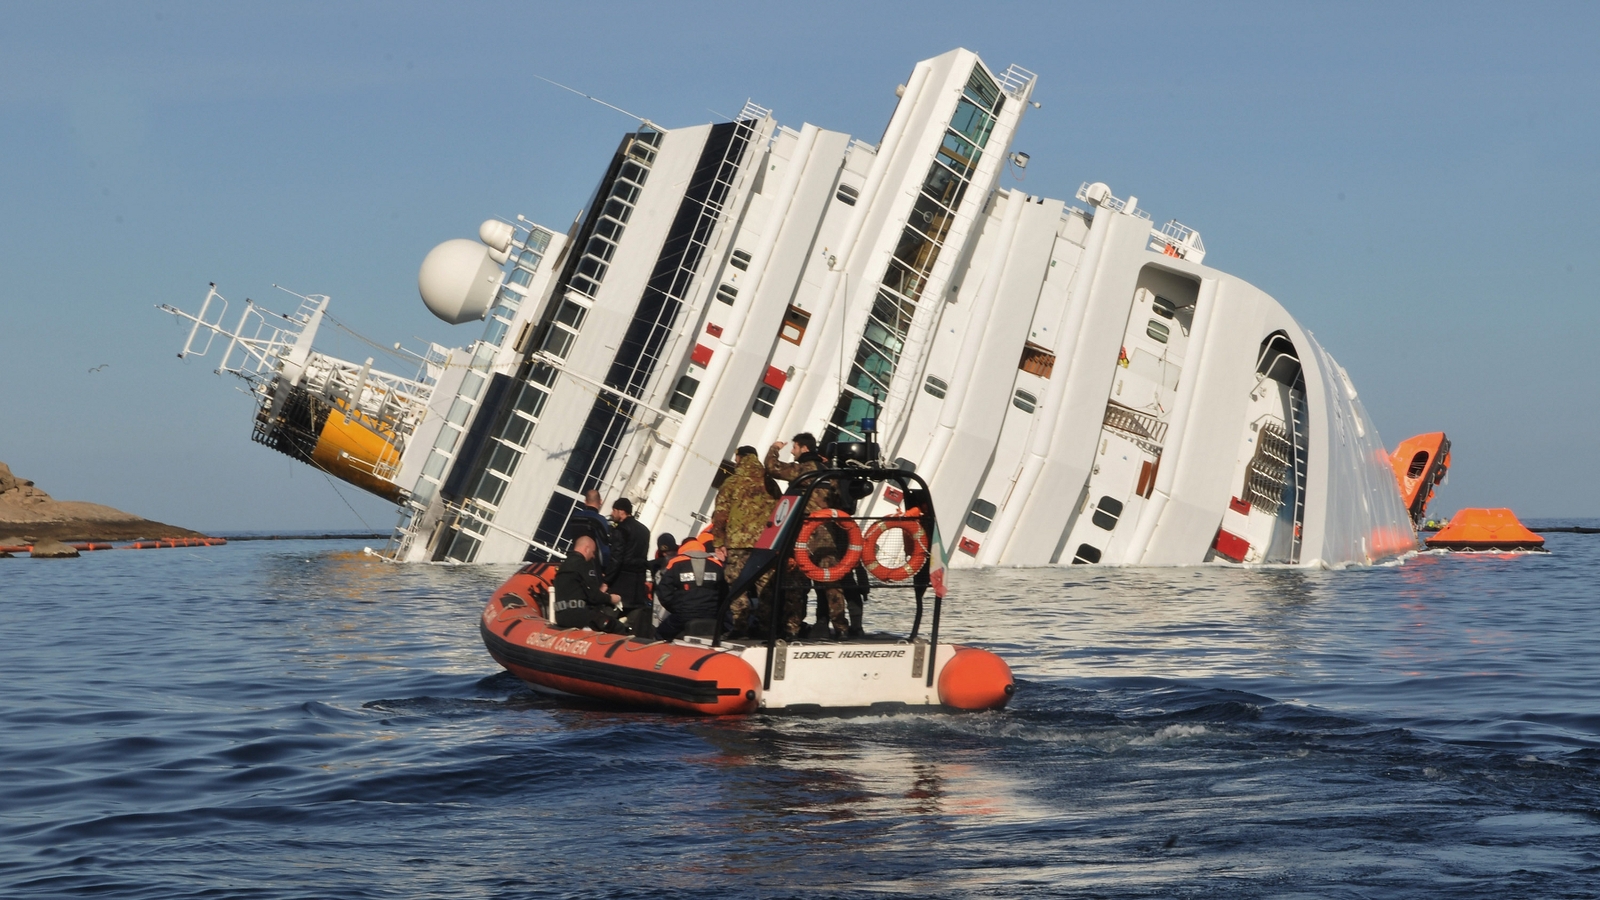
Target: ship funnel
[(458, 279)]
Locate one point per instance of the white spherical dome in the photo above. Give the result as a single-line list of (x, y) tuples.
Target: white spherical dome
[(496, 234), (458, 280)]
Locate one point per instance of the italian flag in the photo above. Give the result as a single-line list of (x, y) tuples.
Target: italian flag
[(936, 559)]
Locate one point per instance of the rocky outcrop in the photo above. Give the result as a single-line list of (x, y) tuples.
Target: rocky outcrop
[(26, 510), (49, 548)]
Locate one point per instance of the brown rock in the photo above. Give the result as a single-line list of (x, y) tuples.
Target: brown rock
[(49, 548), (27, 509)]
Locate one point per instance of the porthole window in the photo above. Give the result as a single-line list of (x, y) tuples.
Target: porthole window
[(936, 386), (1025, 401), (1107, 512), (741, 260), (1157, 330), (981, 516), (1086, 555)]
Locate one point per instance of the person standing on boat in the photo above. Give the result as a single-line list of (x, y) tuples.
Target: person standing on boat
[(744, 505), (580, 603), (692, 588), (587, 520), (825, 542), (630, 557)]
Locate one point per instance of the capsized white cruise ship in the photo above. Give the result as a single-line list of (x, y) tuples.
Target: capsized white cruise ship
[(1073, 378)]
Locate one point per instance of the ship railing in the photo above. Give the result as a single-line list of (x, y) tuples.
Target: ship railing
[(1016, 80), (1177, 239), (1141, 428), (1110, 202), (752, 112), (256, 346)]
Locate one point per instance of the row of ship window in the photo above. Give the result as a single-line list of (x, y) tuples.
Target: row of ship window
[(915, 254)]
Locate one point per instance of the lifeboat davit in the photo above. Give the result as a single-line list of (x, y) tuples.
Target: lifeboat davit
[(1485, 529), (717, 676)]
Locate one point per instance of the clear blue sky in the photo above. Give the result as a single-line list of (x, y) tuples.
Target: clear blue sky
[(1417, 184)]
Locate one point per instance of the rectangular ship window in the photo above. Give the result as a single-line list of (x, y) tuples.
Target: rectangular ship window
[(1106, 513), (517, 430), (981, 516), (1025, 401), (683, 394), (847, 195), (795, 320), (558, 342), (766, 399), (727, 293), (1157, 330), (571, 314), (491, 488), (741, 260), (936, 386)]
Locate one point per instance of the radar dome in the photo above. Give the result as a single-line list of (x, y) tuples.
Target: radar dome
[(458, 280)]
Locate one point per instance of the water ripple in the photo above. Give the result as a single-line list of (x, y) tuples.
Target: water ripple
[(296, 720)]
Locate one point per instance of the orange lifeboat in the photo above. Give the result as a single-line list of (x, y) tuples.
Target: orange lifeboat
[(1420, 463), (1485, 529)]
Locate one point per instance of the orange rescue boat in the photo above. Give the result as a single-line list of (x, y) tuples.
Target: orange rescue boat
[(719, 675)]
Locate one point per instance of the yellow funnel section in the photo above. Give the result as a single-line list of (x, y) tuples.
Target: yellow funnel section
[(354, 447)]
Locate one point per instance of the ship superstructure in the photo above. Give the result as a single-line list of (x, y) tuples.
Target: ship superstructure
[(1073, 379)]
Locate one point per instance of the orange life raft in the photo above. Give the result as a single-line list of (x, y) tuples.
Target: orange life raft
[(1485, 529)]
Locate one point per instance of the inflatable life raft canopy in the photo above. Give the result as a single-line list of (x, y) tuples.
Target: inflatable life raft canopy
[(1485, 529)]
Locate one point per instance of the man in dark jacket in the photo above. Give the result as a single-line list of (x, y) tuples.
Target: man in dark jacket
[(587, 520), (692, 588), (630, 557), (579, 602)]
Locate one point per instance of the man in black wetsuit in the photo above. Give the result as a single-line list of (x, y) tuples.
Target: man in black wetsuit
[(579, 601), (630, 557), (692, 588)]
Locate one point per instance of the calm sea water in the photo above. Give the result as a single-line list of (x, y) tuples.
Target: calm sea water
[(293, 720)]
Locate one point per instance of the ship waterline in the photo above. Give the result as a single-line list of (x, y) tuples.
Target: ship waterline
[(1071, 379)]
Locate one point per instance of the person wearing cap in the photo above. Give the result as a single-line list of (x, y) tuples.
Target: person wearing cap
[(630, 557), (692, 588)]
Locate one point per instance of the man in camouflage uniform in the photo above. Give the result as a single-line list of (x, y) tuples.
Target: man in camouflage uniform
[(826, 543), (744, 506)]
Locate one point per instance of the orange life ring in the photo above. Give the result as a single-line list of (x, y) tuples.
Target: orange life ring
[(802, 553), (919, 547)]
